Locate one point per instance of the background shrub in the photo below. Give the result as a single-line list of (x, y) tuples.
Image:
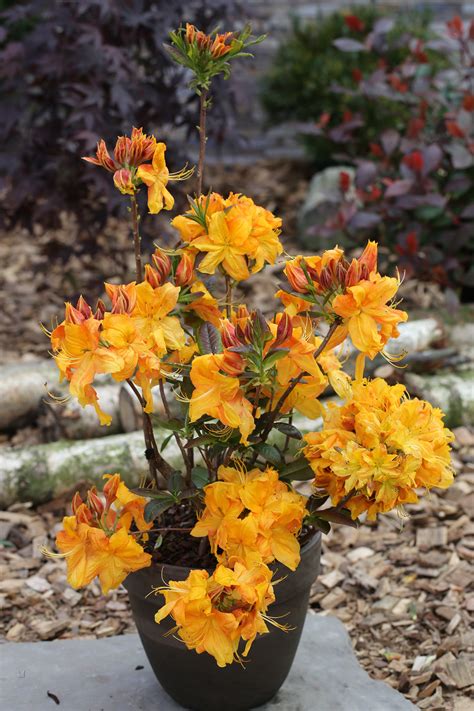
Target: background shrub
[(308, 65)]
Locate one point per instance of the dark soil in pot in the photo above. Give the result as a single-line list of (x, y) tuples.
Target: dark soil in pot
[(194, 680)]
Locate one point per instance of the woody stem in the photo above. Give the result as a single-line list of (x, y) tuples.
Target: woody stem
[(202, 139), (179, 442), (228, 295), (136, 238)]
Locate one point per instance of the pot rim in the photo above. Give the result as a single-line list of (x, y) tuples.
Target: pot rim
[(313, 541)]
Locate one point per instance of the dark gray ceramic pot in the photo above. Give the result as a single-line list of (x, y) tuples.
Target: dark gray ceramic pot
[(194, 680)]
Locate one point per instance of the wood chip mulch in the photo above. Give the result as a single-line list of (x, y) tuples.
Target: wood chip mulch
[(404, 589)]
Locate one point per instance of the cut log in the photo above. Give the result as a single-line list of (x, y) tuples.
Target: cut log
[(42, 472), (68, 420), (22, 388)]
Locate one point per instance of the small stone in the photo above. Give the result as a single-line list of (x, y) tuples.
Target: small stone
[(453, 623), (359, 554), (11, 586), (117, 606), (108, 628), (71, 596), (401, 608), (38, 584), (447, 613)]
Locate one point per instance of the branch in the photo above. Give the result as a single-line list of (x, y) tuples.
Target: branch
[(136, 239), (202, 139), (179, 442)]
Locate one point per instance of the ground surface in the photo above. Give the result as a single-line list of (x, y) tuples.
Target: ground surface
[(404, 589)]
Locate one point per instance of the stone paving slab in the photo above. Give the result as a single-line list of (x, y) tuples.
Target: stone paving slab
[(113, 674)]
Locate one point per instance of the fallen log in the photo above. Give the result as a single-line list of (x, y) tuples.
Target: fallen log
[(22, 387), (60, 419), (41, 472), (45, 471)]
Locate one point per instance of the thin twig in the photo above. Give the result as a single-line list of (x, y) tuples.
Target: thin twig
[(228, 296), (202, 139), (136, 239)]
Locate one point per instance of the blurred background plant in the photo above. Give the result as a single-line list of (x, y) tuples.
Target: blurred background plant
[(319, 55), (397, 116), (72, 72)]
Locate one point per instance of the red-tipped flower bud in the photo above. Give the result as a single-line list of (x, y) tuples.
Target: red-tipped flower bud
[(284, 329), (184, 275), (122, 150), (228, 335), (110, 488), (296, 277), (162, 264), (84, 307), (152, 276), (95, 504), (76, 502), (123, 181), (83, 515), (100, 310)]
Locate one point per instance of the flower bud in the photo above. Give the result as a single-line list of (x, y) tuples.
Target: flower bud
[(190, 33), (72, 315), (84, 307), (353, 274), (95, 504), (369, 256), (123, 181), (83, 515), (232, 363), (123, 297), (296, 277), (162, 265), (341, 272), (142, 147), (122, 150), (184, 275), (110, 488), (76, 502), (284, 329), (228, 335), (100, 310), (152, 276), (326, 279)]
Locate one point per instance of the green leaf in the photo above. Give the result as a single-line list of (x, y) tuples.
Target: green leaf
[(273, 357), (165, 442), (150, 493), (175, 483), (288, 430), (324, 526), (341, 516), (173, 424), (270, 453), (155, 507), (299, 470), (158, 542), (200, 477), (209, 339)]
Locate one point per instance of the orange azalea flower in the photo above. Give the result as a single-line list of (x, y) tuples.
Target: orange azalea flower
[(80, 356), (188, 228), (219, 396), (205, 306), (268, 532), (95, 541), (379, 447), (227, 243), (367, 314), (214, 612), (156, 177)]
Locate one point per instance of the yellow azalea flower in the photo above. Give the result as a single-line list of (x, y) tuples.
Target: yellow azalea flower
[(120, 331), (214, 612), (188, 228), (82, 546), (156, 177), (80, 357), (131, 508), (379, 447), (123, 555), (152, 320), (267, 532), (227, 242), (368, 316), (219, 396)]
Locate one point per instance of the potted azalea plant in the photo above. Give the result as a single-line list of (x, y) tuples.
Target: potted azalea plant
[(219, 555)]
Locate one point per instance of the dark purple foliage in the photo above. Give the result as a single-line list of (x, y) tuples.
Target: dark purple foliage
[(73, 72)]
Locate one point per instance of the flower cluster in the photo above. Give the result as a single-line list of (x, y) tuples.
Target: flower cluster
[(252, 517), (234, 234), (377, 448), (352, 293), (131, 168), (96, 540), (213, 613)]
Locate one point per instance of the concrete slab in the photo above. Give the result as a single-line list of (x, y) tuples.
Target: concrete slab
[(113, 674)]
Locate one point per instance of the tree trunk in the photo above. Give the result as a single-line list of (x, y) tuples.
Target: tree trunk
[(22, 388)]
